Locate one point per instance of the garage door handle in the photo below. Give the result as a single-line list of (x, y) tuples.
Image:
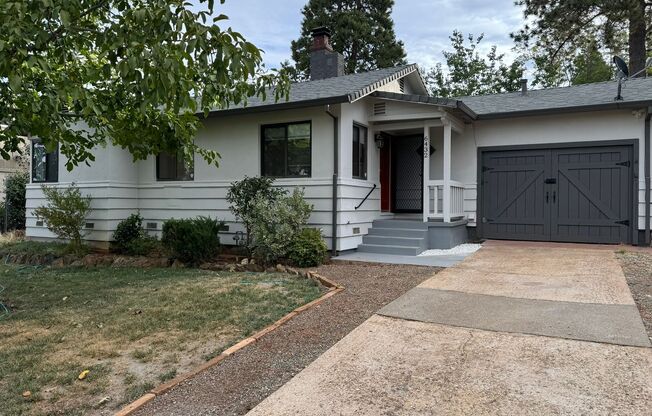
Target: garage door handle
[(554, 196), (547, 196)]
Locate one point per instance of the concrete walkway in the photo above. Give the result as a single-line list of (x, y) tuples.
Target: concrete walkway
[(515, 328)]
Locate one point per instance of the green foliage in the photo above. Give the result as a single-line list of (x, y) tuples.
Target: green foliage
[(15, 185), (241, 197), (363, 31), (277, 223), (35, 248), (65, 213), (467, 73), (135, 72), (131, 238), (308, 248), (555, 32), (589, 66), (192, 240)]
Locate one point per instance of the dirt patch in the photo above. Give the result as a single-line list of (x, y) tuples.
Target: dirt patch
[(638, 272), (243, 380)]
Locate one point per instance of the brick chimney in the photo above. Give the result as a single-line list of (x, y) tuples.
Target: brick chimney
[(324, 62)]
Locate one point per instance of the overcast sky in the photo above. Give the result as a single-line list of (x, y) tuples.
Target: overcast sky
[(423, 25)]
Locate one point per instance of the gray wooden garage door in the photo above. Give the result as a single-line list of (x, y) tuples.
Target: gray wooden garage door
[(581, 194)]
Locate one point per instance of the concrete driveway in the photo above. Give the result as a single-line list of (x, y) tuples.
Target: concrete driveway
[(517, 328)]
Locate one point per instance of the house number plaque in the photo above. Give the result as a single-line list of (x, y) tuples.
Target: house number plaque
[(426, 147)]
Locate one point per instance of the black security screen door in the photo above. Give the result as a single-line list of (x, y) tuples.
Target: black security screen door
[(581, 194), (407, 169)]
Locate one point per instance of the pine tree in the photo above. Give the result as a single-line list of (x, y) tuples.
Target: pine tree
[(363, 31)]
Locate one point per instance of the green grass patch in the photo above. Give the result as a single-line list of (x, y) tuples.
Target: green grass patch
[(132, 328), (33, 248)]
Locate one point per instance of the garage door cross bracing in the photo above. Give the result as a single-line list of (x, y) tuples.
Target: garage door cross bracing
[(578, 194)]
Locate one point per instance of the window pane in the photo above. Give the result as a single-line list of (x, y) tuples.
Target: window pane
[(185, 170), (298, 149), (356, 151), (363, 152), (39, 163), (52, 172), (167, 166), (274, 158)]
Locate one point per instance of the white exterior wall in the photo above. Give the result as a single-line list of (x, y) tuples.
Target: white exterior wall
[(120, 187), (353, 224), (575, 127)]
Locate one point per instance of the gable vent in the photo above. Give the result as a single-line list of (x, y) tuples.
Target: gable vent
[(380, 109), (401, 85)]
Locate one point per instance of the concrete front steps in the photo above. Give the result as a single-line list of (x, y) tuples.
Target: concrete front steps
[(401, 237)]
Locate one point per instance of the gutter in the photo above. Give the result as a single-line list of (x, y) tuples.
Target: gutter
[(335, 179), (647, 175), (627, 105)]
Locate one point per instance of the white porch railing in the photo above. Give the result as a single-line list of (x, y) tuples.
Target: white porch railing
[(436, 199)]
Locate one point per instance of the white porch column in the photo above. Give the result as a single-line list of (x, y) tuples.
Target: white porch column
[(426, 172), (447, 170)]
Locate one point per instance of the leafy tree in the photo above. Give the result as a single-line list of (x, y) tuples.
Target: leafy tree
[(363, 31), (14, 203), (560, 28), (468, 73), (135, 72), (589, 66)]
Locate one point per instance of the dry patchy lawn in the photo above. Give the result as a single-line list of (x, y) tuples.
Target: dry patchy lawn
[(132, 328)]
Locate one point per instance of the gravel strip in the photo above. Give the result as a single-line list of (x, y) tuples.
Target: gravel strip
[(243, 380), (638, 272)]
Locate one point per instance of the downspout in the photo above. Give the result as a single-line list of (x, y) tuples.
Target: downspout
[(335, 177), (647, 175)]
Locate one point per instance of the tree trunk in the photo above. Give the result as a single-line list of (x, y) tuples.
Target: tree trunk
[(637, 31)]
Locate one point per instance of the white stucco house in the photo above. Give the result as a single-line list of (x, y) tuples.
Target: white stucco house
[(390, 169)]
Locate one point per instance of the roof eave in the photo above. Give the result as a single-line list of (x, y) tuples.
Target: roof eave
[(276, 106), (561, 110)]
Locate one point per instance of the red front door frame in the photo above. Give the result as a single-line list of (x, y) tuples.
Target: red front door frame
[(385, 175)]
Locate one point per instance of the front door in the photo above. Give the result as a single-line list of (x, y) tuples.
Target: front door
[(407, 172), (578, 194)]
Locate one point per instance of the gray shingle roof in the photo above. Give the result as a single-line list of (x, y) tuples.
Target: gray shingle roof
[(345, 88), (637, 91)]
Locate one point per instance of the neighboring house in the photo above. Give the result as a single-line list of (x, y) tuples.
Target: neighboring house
[(390, 169)]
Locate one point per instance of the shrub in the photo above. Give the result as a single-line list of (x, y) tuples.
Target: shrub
[(65, 213), (192, 240), (308, 248), (14, 203), (242, 195), (276, 223), (131, 238)]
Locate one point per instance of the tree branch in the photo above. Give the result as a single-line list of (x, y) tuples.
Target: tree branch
[(573, 33)]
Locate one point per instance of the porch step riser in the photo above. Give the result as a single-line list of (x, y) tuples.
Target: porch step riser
[(398, 232), (397, 250), (381, 240), (402, 224)]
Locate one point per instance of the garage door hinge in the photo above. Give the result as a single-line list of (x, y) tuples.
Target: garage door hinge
[(623, 222), (623, 164), (485, 219), (486, 168)]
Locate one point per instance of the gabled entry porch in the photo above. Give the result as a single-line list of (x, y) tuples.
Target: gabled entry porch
[(423, 206)]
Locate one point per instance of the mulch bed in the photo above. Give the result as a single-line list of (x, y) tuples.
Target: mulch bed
[(243, 380), (638, 272)]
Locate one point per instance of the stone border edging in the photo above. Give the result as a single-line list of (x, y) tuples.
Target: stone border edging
[(333, 289)]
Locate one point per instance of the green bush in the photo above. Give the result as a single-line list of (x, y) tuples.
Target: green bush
[(14, 203), (276, 223), (65, 213), (193, 240), (131, 238), (308, 248), (242, 195)]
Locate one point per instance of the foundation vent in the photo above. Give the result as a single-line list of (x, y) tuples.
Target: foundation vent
[(151, 225), (90, 225), (380, 109)]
